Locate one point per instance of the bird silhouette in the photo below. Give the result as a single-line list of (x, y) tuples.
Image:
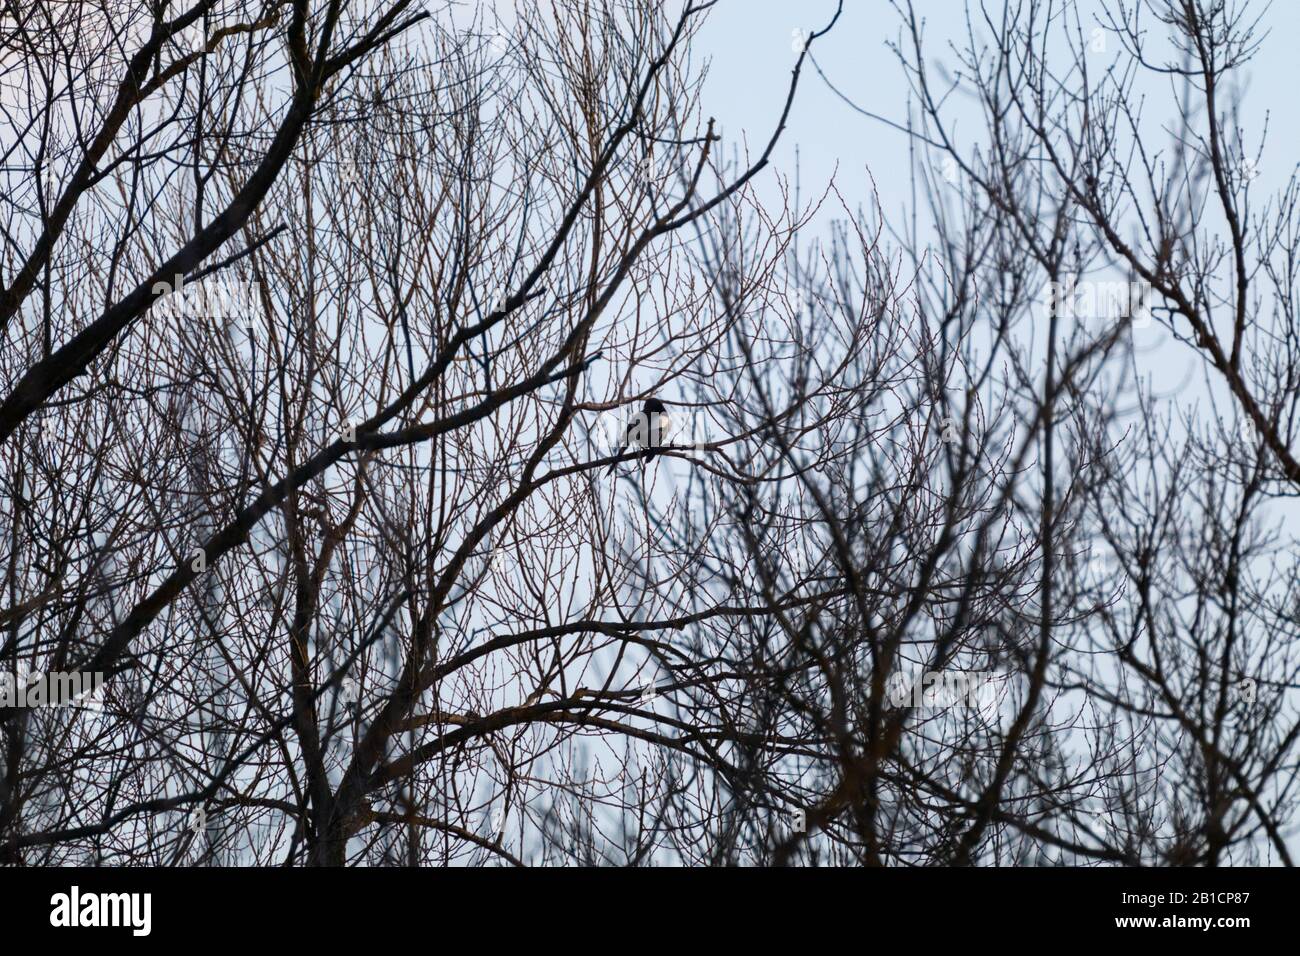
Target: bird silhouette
[(648, 428)]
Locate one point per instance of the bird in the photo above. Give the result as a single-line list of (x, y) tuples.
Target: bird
[(647, 429)]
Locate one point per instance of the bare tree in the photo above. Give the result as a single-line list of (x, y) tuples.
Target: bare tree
[(1154, 726), (339, 546), (332, 331)]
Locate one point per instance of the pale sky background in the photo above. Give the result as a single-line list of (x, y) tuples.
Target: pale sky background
[(749, 44)]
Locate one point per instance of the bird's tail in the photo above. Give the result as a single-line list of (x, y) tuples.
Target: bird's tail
[(614, 464)]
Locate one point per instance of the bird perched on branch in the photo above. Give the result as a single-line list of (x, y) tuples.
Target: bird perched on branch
[(648, 428)]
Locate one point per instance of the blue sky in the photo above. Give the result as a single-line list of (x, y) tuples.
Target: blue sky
[(749, 45)]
